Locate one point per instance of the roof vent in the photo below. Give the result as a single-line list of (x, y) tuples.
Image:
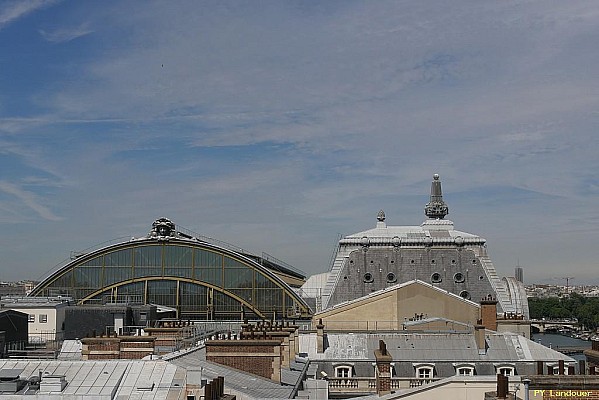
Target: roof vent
[(10, 382), (53, 383)]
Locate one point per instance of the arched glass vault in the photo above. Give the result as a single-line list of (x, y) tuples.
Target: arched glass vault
[(198, 279)]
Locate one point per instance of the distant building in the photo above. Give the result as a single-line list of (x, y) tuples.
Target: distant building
[(46, 316), (12, 290), (198, 278), (519, 274)]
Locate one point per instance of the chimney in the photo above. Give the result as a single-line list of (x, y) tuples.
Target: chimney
[(572, 369), (320, 337), (383, 369), (488, 313), (502, 386), (479, 336)]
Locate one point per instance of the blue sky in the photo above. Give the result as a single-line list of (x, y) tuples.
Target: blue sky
[(278, 125)]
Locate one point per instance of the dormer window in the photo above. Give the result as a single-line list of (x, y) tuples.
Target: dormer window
[(343, 371), (506, 370), (464, 369), (425, 371)]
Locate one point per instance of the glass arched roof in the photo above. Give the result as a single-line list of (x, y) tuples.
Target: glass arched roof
[(198, 279)]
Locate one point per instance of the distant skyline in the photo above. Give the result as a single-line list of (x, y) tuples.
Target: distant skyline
[(278, 125)]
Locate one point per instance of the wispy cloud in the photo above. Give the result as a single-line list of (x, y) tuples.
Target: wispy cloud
[(11, 11), (29, 199), (308, 117), (62, 35)]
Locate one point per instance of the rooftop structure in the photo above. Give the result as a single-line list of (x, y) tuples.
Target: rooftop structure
[(101, 380), (172, 268), (433, 252)]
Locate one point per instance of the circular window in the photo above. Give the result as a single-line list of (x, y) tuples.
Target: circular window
[(453, 261), (459, 277), (392, 261), (436, 278), (464, 294), (473, 261), (411, 261), (391, 277), (480, 278), (368, 278), (432, 261), (351, 261)]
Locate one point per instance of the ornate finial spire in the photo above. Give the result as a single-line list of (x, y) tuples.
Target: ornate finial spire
[(436, 207), (381, 216)]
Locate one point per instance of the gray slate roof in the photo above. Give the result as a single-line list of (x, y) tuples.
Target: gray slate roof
[(244, 385), (431, 347)]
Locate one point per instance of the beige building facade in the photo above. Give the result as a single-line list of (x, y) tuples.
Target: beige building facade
[(399, 307)]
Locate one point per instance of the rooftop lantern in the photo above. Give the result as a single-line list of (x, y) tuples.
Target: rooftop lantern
[(436, 207)]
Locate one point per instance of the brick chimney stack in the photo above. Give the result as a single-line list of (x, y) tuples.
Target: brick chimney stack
[(383, 369), (488, 313)]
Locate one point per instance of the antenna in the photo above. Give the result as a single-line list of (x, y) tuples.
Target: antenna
[(567, 279)]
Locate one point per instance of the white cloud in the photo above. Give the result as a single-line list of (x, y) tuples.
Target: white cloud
[(175, 107), (29, 199), (11, 11), (62, 35)]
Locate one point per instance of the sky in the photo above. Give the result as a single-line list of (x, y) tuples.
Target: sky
[(279, 125)]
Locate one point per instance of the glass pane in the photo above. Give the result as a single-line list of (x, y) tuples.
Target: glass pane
[(230, 262), (239, 278), (118, 258), (245, 294), (208, 267), (269, 300), (65, 281), (263, 282), (148, 256), (114, 274), (88, 277), (131, 293), (178, 261), (163, 293), (148, 261), (207, 259), (193, 300), (178, 256), (225, 306)]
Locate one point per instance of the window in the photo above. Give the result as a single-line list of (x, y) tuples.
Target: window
[(506, 371), (343, 371), (458, 277), (465, 295), (436, 278), (424, 372), (465, 371), (368, 278), (31, 318), (43, 318), (391, 277)]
